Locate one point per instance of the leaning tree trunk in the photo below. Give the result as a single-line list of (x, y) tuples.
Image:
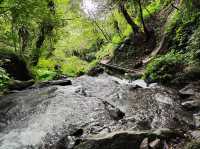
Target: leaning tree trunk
[(146, 31), (129, 20)]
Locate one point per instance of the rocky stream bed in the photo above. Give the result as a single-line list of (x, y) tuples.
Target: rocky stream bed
[(101, 112)]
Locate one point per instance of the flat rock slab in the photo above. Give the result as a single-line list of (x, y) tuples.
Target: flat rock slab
[(128, 139), (44, 117)]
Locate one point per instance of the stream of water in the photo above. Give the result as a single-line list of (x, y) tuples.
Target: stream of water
[(39, 118)]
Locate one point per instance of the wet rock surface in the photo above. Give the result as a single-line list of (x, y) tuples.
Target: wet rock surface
[(130, 139), (59, 117), (191, 100)]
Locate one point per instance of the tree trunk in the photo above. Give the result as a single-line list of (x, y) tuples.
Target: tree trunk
[(129, 20), (142, 19), (23, 38), (45, 29)]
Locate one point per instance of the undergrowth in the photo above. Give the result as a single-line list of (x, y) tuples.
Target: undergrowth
[(164, 68), (4, 79)]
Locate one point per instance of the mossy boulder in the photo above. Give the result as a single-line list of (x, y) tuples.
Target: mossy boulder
[(15, 66)]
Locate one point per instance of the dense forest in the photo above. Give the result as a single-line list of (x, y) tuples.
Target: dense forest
[(44, 43), (76, 35)]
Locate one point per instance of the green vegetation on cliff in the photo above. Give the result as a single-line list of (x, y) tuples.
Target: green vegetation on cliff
[(180, 61)]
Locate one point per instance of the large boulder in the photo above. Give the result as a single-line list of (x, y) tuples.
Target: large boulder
[(15, 66)]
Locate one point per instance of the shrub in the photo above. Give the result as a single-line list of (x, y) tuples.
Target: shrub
[(106, 51), (4, 79), (45, 69), (44, 74), (193, 44), (164, 68), (73, 66)]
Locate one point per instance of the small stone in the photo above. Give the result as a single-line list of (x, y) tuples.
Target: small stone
[(145, 144), (155, 144)]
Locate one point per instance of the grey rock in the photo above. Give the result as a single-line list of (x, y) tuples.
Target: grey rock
[(124, 140), (197, 120), (187, 91), (164, 99), (191, 105), (48, 115), (140, 83), (155, 144), (20, 85), (196, 134), (145, 144), (192, 91)]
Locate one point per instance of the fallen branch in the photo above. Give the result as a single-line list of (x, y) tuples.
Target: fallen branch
[(120, 69)]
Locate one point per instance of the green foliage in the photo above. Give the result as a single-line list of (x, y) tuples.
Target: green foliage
[(151, 9), (73, 66), (193, 43), (180, 29), (4, 79), (78, 42), (43, 74), (106, 51), (183, 35), (45, 69), (164, 68), (173, 21)]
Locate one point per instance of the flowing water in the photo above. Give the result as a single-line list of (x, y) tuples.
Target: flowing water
[(41, 117)]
